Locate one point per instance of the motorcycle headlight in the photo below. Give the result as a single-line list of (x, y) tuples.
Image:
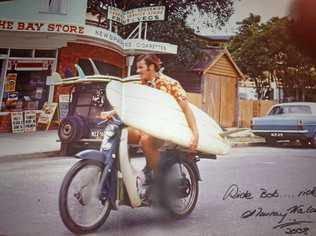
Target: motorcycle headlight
[(106, 146), (109, 131)]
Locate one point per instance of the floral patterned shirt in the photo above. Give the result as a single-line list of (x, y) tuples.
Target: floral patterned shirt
[(168, 85)]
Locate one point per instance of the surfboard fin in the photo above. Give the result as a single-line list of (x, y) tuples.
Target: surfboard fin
[(94, 67), (55, 78), (233, 131), (81, 74)]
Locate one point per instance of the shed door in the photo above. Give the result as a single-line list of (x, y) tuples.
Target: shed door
[(219, 99)]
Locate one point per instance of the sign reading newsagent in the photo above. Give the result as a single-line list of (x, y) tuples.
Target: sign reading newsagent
[(156, 13)]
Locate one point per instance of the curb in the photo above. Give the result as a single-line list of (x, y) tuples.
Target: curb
[(29, 156), (48, 154), (253, 144)]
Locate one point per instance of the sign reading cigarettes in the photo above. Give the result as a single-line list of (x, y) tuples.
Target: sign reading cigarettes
[(156, 13)]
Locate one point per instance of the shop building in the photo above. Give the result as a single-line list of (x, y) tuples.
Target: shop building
[(38, 37)]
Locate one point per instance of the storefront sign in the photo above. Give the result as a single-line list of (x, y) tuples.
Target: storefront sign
[(40, 27), (29, 121), (10, 82), (17, 122), (155, 13)]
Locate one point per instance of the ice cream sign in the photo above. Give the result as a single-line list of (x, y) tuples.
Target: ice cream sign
[(40, 27)]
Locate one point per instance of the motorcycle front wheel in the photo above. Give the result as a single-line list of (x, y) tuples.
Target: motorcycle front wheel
[(180, 188), (80, 207)]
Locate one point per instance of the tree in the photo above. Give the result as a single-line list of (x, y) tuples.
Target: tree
[(265, 52), (175, 28)]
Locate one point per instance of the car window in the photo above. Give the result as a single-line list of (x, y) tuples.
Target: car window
[(277, 110), (289, 109), (299, 109)]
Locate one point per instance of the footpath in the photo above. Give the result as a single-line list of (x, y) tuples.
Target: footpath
[(44, 144)]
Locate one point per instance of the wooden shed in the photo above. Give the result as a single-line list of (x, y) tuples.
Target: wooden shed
[(213, 85)]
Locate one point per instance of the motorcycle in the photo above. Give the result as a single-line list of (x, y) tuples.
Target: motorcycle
[(104, 180)]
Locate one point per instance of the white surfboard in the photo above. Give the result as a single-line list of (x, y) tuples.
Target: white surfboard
[(158, 114)]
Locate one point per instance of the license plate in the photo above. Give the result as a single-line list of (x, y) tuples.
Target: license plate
[(98, 134), (276, 134)]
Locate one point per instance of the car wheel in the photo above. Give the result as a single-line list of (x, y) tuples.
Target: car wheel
[(313, 141), (270, 141), (69, 129), (305, 142)]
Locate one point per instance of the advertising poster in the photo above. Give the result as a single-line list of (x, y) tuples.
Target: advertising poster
[(29, 121), (10, 82), (47, 114), (17, 122), (64, 100)]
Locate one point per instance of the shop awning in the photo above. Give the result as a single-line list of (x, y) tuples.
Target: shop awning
[(24, 40)]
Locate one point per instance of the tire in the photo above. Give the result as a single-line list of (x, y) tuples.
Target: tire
[(71, 129), (76, 206), (174, 189), (305, 143), (270, 141), (313, 141)]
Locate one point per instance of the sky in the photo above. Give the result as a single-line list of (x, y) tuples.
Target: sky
[(265, 8)]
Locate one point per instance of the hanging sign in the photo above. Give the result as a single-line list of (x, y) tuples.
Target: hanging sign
[(29, 121), (17, 122), (155, 13)]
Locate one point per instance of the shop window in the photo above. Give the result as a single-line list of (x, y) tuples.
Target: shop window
[(3, 51), (86, 66), (25, 90), (21, 53), (104, 68), (45, 53), (108, 69), (54, 6)]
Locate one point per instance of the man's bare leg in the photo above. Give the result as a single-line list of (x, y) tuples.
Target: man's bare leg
[(148, 144), (150, 147)]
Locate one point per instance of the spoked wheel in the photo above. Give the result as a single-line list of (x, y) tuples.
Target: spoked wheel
[(180, 188), (80, 207)]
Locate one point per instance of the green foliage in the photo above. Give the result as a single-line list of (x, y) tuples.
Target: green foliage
[(265, 52)]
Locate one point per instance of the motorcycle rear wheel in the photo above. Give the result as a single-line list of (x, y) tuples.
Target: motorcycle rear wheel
[(180, 188), (80, 208)]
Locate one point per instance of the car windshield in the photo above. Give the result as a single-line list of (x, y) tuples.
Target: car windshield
[(289, 109)]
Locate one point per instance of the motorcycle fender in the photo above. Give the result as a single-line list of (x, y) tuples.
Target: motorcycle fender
[(197, 171), (91, 154)]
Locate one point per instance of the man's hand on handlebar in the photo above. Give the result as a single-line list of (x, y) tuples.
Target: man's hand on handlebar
[(106, 115)]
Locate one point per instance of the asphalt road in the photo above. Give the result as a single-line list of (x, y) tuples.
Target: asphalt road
[(252, 191)]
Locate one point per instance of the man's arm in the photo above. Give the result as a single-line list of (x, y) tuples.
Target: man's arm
[(191, 122)]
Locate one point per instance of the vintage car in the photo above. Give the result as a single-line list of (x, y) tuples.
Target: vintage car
[(288, 121), (79, 129)]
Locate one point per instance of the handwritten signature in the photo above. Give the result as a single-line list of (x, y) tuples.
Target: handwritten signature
[(286, 218), (234, 192), (294, 227), (293, 210)]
